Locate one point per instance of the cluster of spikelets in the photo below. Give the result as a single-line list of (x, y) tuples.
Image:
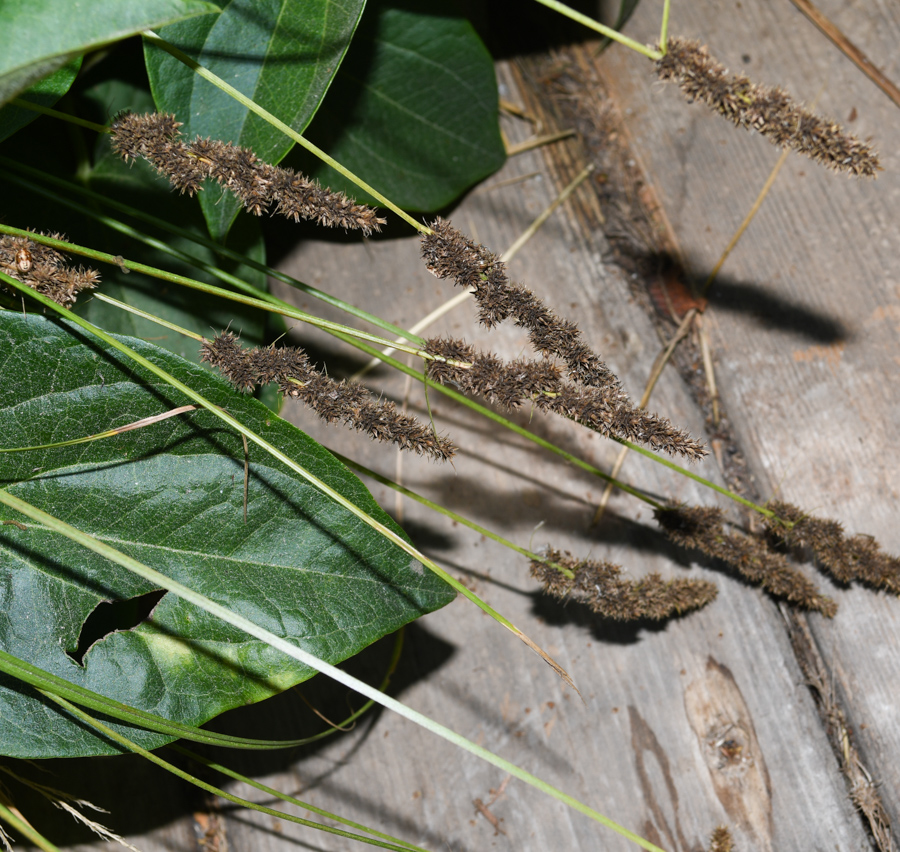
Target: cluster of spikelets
[(767, 110), (599, 585), (703, 528), (508, 384), (594, 399), (44, 269), (570, 380), (334, 401), (761, 560), (258, 185), (858, 557)]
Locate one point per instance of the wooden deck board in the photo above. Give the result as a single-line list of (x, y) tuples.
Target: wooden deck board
[(806, 336)]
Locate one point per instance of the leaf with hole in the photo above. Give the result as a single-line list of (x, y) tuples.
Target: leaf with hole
[(171, 496)]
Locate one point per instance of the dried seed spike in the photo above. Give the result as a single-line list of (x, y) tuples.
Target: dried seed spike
[(702, 528), (44, 269), (540, 382), (333, 401), (768, 110), (599, 585), (846, 559), (259, 186), (448, 253)]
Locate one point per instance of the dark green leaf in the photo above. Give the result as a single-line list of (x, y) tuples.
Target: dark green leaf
[(413, 110), (281, 53), (626, 10), (171, 495), (39, 36), (45, 93)]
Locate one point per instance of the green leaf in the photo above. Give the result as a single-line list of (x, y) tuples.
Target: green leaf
[(413, 110), (626, 10), (39, 36), (45, 93), (281, 53), (171, 495)]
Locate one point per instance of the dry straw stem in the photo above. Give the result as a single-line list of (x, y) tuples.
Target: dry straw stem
[(856, 558), (259, 186), (768, 110), (541, 384), (332, 400), (44, 269), (600, 586), (702, 528)]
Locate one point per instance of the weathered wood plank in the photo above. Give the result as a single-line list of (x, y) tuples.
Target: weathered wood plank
[(805, 318)]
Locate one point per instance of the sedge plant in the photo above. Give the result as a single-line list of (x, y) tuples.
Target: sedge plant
[(163, 409)]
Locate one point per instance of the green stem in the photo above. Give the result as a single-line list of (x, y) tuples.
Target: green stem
[(609, 32), (271, 791), (213, 246), (664, 29), (449, 513), (64, 116), (731, 495), (25, 829), (40, 679), (216, 791), (193, 284), (246, 102)]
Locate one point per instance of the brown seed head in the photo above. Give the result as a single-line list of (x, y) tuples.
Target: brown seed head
[(333, 401), (257, 185), (599, 585), (44, 269), (702, 528), (767, 110)]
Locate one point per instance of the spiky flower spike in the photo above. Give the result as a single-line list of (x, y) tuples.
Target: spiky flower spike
[(702, 528), (768, 110), (333, 401), (258, 186), (44, 269), (846, 559), (448, 253), (540, 383), (720, 840), (600, 586)]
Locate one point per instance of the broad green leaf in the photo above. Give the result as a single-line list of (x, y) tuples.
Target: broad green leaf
[(281, 53), (413, 110), (39, 36), (171, 496), (45, 93)]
